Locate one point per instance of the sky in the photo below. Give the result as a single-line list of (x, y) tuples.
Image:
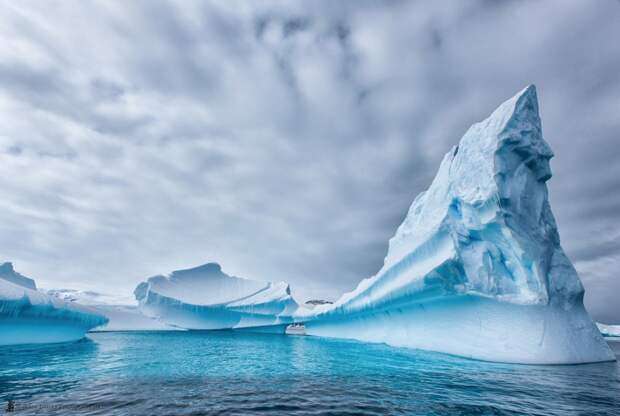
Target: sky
[(285, 140)]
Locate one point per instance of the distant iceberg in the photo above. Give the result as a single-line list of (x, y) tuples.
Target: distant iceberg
[(8, 273), (476, 269), (204, 297), (609, 330), (28, 316), (123, 314)]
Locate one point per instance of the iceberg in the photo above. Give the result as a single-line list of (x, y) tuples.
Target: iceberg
[(612, 331), (123, 314), (476, 268), (205, 298), (8, 273), (28, 316)]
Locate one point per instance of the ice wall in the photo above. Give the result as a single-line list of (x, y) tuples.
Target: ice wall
[(28, 316), (476, 268), (204, 297)]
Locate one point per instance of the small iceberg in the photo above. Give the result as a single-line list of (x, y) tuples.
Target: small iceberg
[(609, 331)]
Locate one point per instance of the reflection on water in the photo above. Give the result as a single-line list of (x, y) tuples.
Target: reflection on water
[(29, 370), (241, 373)]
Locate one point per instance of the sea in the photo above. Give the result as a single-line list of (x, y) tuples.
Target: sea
[(236, 373)]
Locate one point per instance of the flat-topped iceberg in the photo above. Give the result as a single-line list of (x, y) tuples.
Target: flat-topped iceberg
[(204, 297), (609, 330), (28, 316), (476, 269)]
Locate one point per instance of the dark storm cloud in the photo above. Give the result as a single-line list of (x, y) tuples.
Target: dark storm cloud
[(285, 140)]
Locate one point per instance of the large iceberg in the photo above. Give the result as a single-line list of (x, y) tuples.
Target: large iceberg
[(204, 297), (476, 269), (28, 316)]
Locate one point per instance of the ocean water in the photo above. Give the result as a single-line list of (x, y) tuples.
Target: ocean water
[(230, 373)]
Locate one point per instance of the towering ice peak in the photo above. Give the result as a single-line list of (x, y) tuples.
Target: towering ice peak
[(479, 245), (487, 210), (205, 297), (9, 274)]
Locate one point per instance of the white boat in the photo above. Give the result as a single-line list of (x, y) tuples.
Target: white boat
[(297, 328)]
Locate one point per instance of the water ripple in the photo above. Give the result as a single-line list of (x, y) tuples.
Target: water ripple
[(228, 373)]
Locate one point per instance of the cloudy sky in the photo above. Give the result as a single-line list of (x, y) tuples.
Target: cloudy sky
[(285, 140)]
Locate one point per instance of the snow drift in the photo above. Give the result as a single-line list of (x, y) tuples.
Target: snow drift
[(29, 316), (206, 298), (476, 269)]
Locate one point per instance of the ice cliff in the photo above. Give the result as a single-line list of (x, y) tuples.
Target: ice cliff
[(476, 268), (204, 297), (30, 316)]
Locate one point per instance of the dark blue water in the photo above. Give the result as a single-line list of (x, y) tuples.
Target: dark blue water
[(236, 373)]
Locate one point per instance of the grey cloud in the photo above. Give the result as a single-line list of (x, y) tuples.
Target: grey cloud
[(284, 140)]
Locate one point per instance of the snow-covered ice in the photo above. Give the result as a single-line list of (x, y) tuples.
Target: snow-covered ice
[(123, 313), (476, 269), (204, 297), (28, 316)]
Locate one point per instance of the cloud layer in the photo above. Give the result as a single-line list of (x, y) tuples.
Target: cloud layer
[(285, 140)]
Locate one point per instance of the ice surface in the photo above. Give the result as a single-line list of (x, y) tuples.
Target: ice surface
[(609, 330), (123, 313), (204, 297), (476, 269), (92, 298), (129, 318), (30, 316)]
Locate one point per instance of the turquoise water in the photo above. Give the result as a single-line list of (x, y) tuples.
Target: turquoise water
[(228, 373)]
